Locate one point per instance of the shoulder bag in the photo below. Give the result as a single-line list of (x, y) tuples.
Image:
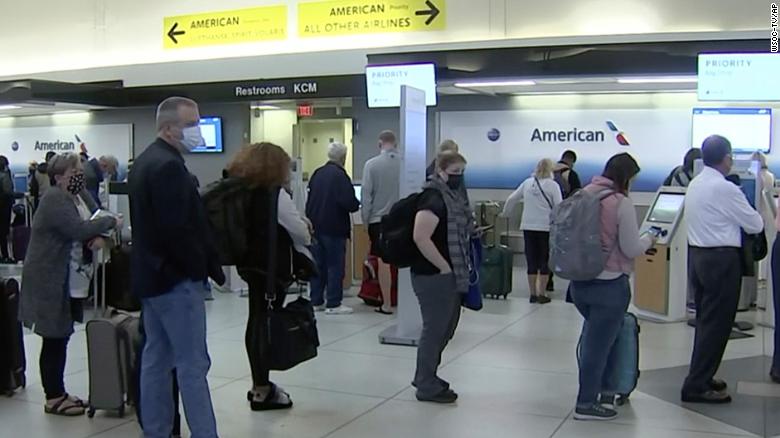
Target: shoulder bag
[(292, 329), (546, 198)]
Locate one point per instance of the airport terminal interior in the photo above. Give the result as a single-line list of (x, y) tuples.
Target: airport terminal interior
[(507, 82)]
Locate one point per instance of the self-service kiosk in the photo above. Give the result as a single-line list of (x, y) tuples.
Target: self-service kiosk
[(661, 276)]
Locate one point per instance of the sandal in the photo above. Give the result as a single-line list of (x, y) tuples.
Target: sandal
[(382, 311), (65, 406), (76, 400), (270, 402)]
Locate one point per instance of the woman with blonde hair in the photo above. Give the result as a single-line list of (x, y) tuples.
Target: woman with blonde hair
[(265, 168), (540, 194)]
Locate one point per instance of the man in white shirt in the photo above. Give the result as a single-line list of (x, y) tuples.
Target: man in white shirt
[(716, 212)]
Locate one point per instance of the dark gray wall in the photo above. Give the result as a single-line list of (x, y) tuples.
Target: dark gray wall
[(368, 123), (208, 168)]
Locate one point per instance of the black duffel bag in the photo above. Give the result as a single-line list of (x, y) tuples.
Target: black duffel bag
[(292, 329), (292, 333)]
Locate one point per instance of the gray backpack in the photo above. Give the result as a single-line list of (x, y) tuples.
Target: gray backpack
[(575, 236)]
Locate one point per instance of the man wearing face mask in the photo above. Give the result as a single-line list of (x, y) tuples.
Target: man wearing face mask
[(716, 212), (173, 254)]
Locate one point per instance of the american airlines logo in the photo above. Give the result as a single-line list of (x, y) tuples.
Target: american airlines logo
[(576, 135)]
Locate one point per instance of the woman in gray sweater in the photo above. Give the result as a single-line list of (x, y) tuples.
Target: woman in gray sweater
[(61, 220)]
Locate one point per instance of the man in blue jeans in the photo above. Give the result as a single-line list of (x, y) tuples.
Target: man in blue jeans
[(331, 200), (173, 254)]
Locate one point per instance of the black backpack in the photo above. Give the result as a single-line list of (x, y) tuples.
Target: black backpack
[(396, 237), (227, 203)]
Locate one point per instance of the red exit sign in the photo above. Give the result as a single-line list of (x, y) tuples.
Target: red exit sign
[(305, 110)]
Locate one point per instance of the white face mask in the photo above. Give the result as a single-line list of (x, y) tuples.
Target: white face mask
[(191, 138)]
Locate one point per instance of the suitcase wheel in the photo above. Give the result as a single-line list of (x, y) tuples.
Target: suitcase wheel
[(91, 412)]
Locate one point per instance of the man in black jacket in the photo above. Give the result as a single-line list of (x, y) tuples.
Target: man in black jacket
[(566, 176), (331, 200), (173, 255)]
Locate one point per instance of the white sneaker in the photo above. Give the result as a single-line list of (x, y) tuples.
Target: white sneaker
[(319, 308), (341, 310)]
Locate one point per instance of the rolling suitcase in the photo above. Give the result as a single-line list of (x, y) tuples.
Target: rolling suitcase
[(622, 370), (111, 352), (495, 274), (119, 293), (624, 360), (487, 213), (112, 340), (20, 232), (12, 359), (370, 291), (20, 240)]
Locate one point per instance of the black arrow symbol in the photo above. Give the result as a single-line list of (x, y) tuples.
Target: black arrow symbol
[(432, 12), (173, 33)]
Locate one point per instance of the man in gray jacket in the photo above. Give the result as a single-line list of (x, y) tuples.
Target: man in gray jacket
[(381, 181)]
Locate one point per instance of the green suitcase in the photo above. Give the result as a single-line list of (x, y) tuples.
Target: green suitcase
[(495, 274)]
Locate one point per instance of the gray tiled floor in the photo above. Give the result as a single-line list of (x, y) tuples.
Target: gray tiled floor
[(512, 363)]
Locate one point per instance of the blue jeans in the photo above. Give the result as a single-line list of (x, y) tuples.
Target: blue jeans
[(329, 254), (603, 304), (175, 326)]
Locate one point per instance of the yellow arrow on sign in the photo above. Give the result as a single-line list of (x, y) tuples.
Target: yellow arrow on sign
[(354, 17), (267, 23)]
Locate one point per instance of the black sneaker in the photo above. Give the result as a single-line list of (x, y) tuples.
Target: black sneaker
[(707, 397), (543, 299), (445, 397), (718, 385), (609, 401), (595, 412), (534, 299)]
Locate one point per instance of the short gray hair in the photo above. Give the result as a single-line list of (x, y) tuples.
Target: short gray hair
[(337, 152), (168, 110), (111, 161), (62, 163)]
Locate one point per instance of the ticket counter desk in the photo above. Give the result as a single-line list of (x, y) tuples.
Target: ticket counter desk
[(661, 277)]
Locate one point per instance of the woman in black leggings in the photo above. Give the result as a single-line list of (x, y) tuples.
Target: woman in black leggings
[(540, 194), (265, 167)]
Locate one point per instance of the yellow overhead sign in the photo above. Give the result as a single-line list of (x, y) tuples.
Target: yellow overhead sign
[(266, 23), (353, 17)]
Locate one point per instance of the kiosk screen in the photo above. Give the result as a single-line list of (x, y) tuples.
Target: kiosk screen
[(666, 208)]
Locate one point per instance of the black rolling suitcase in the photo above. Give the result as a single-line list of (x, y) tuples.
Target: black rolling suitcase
[(12, 360), (119, 293)]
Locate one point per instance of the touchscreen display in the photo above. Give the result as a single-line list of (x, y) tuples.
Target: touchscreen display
[(666, 208)]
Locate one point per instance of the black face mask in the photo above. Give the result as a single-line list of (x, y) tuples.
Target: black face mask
[(454, 181), (76, 183)]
